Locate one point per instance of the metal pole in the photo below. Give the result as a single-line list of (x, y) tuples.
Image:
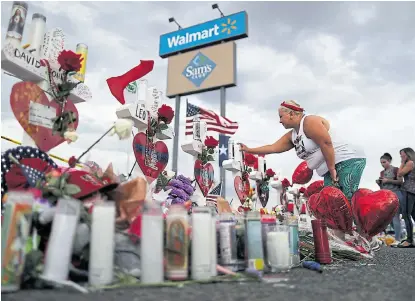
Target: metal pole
[(176, 132), (223, 114)]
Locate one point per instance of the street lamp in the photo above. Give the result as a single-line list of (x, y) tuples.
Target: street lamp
[(173, 20), (216, 6)]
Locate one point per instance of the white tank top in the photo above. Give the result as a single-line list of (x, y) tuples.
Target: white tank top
[(308, 150)]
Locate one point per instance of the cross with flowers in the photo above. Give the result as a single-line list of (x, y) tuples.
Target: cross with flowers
[(203, 150), (44, 102)]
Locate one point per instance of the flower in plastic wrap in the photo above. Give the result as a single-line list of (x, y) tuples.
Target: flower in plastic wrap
[(166, 114), (70, 136), (122, 127)]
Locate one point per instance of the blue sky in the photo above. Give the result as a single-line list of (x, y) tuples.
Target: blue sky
[(351, 62)]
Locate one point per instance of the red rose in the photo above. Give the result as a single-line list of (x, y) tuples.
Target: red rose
[(211, 142), (285, 183), (69, 60), (72, 162), (262, 211), (166, 113), (270, 173), (250, 160), (302, 190)]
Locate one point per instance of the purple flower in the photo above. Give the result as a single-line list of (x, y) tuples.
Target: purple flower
[(184, 179), (177, 200), (178, 192)]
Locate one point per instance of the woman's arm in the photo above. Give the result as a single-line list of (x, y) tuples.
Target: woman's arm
[(405, 168), (282, 145), (315, 130)]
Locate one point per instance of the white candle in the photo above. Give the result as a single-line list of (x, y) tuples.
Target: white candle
[(101, 256), (261, 165), (59, 250), (201, 243), (152, 243), (214, 252), (278, 249), (230, 149)]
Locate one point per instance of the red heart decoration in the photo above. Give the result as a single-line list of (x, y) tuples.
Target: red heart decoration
[(21, 96), (314, 187), (302, 174), (332, 205), (242, 188), (374, 211), (157, 158), (204, 176)]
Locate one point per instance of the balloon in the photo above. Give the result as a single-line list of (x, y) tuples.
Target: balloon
[(302, 174), (374, 211), (314, 187), (332, 206)]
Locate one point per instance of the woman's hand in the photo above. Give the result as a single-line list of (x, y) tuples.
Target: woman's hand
[(243, 147), (334, 177), (385, 181)]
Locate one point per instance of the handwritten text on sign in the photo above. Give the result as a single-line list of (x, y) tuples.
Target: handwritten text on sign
[(41, 115)]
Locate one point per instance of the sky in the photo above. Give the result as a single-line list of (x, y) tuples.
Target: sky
[(350, 62)]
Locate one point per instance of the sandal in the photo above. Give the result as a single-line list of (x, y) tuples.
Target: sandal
[(405, 244)]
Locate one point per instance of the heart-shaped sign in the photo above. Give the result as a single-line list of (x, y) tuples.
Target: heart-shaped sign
[(151, 157), (332, 205), (374, 211), (302, 174), (34, 111), (242, 188), (262, 193), (204, 176), (314, 187)]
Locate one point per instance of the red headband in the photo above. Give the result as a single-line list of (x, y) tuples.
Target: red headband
[(292, 107)]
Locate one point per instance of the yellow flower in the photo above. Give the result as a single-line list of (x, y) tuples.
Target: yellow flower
[(122, 127), (70, 136)]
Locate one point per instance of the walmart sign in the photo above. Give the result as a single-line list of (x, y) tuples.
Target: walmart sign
[(232, 27)]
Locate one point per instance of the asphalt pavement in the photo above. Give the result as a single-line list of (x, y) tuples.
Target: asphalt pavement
[(389, 276)]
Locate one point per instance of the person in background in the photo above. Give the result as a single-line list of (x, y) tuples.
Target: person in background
[(407, 171), (389, 180)]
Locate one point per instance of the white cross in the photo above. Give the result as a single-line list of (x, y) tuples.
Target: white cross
[(142, 102), (26, 66)]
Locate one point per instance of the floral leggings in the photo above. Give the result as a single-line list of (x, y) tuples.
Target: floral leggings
[(349, 173)]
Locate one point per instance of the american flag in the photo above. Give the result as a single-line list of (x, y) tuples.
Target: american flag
[(32, 175), (214, 122), (214, 194)]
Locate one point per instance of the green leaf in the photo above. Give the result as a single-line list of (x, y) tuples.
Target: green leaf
[(211, 151), (210, 158), (62, 182), (249, 170), (71, 189), (54, 182), (55, 191)]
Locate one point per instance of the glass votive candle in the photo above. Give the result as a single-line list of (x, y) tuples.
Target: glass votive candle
[(278, 249)]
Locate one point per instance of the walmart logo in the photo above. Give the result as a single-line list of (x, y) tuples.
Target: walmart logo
[(231, 27), (199, 68)]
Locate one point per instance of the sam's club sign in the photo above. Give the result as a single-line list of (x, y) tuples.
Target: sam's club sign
[(228, 28)]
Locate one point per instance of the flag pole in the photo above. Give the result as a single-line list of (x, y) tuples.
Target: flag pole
[(176, 133), (223, 114)]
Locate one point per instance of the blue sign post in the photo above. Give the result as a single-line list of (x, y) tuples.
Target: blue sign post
[(232, 27)]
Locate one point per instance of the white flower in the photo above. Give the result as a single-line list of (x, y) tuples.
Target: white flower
[(170, 174), (70, 136), (122, 127)]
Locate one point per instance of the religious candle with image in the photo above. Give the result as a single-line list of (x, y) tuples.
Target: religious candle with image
[(15, 232), (17, 23)]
